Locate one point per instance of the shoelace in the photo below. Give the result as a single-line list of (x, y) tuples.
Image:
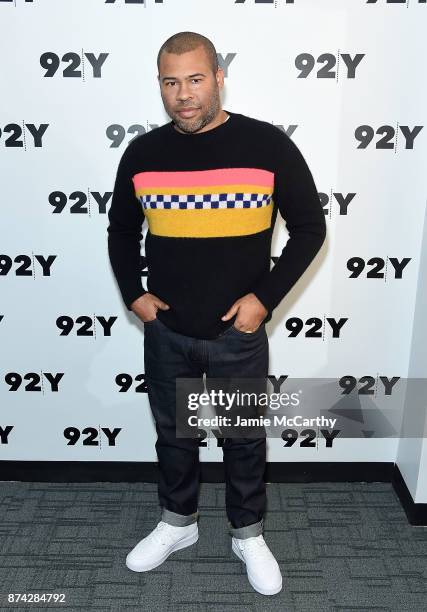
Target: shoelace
[(257, 545), (162, 534)]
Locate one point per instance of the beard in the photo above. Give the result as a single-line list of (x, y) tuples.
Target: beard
[(194, 124)]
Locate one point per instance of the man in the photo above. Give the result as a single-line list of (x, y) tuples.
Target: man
[(209, 184)]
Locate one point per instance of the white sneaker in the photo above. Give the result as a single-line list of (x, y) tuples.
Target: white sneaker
[(159, 544), (261, 566)]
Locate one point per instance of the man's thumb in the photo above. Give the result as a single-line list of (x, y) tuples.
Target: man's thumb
[(162, 305), (230, 312)]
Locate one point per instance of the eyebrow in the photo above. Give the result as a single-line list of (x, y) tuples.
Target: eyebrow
[(190, 76)]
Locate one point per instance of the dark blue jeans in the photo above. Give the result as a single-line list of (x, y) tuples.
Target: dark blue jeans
[(169, 355)]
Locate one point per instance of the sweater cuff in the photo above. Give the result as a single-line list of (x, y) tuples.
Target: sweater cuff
[(263, 295), (130, 301)]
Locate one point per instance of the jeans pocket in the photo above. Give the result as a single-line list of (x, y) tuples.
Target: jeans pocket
[(243, 333)]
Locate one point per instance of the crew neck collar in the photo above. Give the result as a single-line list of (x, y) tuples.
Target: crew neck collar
[(219, 129)]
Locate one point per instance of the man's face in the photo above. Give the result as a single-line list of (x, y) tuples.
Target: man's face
[(187, 82)]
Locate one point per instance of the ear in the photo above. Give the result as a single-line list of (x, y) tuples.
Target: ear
[(220, 77)]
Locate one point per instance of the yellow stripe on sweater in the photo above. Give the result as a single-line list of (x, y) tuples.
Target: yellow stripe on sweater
[(208, 223)]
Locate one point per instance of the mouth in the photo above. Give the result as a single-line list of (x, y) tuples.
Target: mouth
[(188, 112)]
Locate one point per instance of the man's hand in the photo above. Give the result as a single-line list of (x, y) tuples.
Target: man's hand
[(145, 307), (251, 313)]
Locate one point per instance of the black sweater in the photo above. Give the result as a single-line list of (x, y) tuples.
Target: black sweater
[(210, 201)]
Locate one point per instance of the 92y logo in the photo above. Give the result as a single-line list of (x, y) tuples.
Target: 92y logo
[(305, 63), (36, 382), (265, 2), (79, 202), (17, 131), (28, 266), (336, 199), (404, 2), (365, 135), (275, 2), (93, 438), (125, 382), (117, 133), (143, 2), (357, 265), (51, 62), (317, 327), (368, 385), (4, 434), (85, 325)]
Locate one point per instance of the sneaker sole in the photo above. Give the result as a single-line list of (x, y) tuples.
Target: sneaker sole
[(261, 590), (187, 541)]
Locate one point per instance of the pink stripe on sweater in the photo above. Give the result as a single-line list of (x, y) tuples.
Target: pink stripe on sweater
[(197, 178)]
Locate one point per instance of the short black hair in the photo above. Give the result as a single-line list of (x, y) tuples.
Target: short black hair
[(182, 42)]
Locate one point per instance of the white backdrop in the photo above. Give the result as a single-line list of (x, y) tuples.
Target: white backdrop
[(344, 79)]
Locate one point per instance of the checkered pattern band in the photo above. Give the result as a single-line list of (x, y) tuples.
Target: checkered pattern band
[(207, 200)]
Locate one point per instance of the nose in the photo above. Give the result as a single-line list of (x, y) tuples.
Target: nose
[(183, 94)]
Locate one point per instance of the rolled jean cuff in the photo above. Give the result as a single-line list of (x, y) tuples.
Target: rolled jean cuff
[(178, 520), (249, 531)]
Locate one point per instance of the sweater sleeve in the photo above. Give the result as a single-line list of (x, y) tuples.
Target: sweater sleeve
[(299, 205), (126, 218)]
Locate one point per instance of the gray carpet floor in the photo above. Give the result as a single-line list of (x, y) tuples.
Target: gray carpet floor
[(341, 547)]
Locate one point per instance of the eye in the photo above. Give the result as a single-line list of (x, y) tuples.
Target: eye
[(172, 82)]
